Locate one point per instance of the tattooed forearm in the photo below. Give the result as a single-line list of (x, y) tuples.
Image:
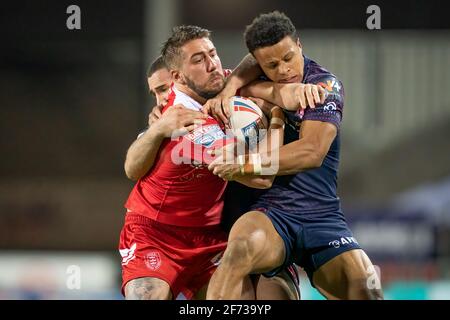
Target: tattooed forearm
[(147, 289)]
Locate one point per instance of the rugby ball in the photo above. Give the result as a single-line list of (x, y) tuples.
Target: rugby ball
[(247, 121)]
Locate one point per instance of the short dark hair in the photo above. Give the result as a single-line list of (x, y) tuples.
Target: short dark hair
[(268, 29), (156, 65), (171, 50)]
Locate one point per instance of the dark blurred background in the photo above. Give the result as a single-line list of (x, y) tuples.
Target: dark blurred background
[(72, 101)]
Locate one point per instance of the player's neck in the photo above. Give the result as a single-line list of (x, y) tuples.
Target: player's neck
[(188, 91)]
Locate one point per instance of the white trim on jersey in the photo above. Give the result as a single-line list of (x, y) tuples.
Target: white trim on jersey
[(185, 100)]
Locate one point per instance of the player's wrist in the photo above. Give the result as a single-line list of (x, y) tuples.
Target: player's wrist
[(250, 164), (157, 131), (233, 84), (277, 123), (228, 92), (276, 112)]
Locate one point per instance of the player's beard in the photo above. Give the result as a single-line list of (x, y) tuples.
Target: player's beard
[(203, 91)]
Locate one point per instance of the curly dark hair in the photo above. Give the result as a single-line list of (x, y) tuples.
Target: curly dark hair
[(171, 50), (268, 29), (156, 65)]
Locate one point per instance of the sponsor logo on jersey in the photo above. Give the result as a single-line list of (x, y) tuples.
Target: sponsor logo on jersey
[(206, 135), (206, 140), (331, 85), (330, 106), (342, 242)]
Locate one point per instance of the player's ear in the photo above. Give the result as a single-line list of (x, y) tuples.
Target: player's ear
[(149, 86), (177, 76), (299, 43)]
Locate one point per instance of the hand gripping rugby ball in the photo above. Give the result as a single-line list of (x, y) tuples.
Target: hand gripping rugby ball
[(248, 122)]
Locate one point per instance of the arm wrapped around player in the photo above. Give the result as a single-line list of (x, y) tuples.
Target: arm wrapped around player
[(265, 160), (255, 168)]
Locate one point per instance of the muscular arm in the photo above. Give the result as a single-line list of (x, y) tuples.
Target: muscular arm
[(142, 153), (289, 96), (309, 151), (265, 90), (247, 71), (257, 182), (265, 147), (271, 143)]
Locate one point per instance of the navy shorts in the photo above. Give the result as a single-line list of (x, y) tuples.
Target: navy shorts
[(310, 240)]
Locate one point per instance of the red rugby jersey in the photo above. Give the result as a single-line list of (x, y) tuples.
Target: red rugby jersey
[(179, 189)]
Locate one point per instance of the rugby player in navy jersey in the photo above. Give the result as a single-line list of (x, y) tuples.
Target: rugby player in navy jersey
[(299, 219)]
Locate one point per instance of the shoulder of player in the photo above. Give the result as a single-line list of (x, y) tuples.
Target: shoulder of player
[(319, 75), (332, 85), (335, 92), (328, 81)]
